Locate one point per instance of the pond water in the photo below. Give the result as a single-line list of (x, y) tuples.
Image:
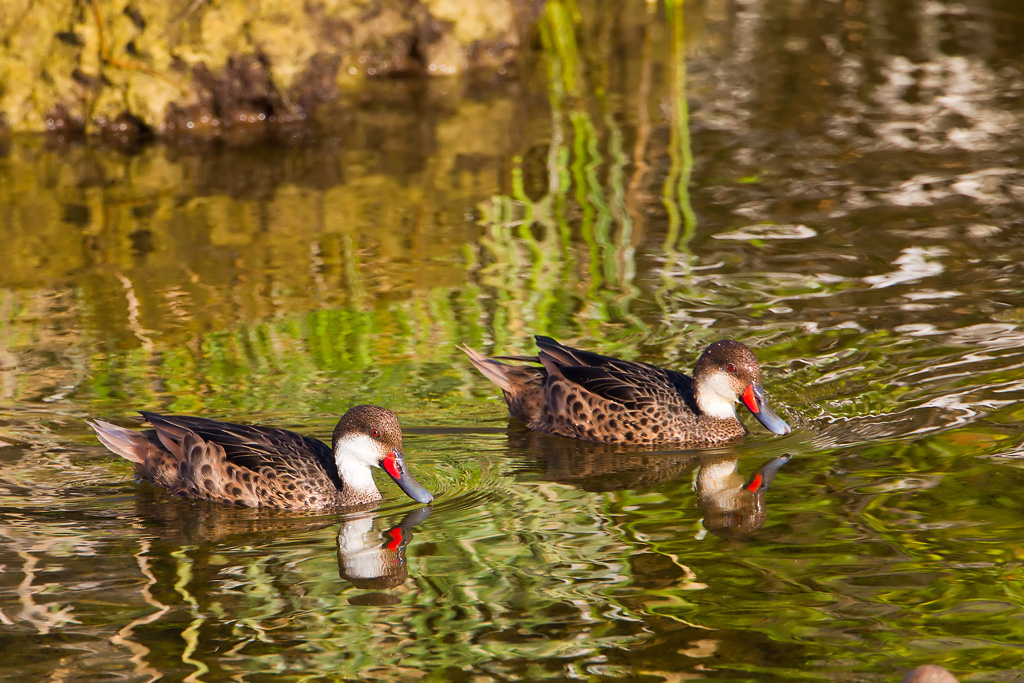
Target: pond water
[(839, 185)]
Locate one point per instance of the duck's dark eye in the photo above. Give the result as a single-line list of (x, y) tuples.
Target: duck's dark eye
[(375, 433), (730, 367)]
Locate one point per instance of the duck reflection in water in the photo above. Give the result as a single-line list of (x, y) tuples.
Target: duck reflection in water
[(366, 558), (732, 505), (375, 561)]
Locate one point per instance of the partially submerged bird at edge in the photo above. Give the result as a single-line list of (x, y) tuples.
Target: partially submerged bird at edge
[(588, 396), (255, 466)]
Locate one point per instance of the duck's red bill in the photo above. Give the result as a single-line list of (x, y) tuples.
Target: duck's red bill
[(394, 465), (754, 398)]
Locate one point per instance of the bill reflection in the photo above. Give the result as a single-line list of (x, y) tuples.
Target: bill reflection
[(376, 561)]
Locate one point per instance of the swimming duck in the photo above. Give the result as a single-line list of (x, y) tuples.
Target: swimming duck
[(265, 467), (587, 396)]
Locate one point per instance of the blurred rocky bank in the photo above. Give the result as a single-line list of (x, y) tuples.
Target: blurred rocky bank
[(130, 69)]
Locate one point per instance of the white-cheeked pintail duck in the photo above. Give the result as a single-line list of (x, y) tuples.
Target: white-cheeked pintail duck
[(265, 467), (588, 396)]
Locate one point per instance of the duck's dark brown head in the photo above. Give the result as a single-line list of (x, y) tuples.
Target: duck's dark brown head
[(726, 372), (370, 436)]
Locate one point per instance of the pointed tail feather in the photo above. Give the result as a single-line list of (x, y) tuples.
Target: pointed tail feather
[(521, 359), (128, 443), (522, 385), (490, 368)]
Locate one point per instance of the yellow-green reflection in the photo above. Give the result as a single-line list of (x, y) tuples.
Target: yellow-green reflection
[(676, 195)]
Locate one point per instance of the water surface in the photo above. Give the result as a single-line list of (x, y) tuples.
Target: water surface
[(837, 185)]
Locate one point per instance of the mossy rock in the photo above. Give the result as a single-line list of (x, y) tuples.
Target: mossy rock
[(126, 68)]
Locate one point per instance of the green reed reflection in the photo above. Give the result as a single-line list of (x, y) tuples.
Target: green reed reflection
[(682, 221), (585, 194)]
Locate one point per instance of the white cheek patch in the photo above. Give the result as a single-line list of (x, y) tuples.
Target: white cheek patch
[(355, 456), (716, 397)]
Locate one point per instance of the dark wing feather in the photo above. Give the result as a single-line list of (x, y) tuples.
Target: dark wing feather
[(626, 382), (247, 446), (683, 388), (567, 355), (682, 383), (604, 383)]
